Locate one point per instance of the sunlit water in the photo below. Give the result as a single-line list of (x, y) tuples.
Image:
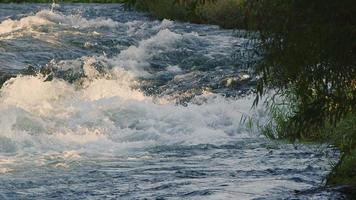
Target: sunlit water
[(109, 104)]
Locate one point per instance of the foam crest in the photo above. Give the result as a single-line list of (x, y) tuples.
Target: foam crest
[(37, 95), (166, 23), (107, 116), (119, 85), (135, 58), (47, 17), (34, 94), (9, 25), (75, 21)]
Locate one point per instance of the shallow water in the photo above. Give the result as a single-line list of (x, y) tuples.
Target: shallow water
[(105, 103)]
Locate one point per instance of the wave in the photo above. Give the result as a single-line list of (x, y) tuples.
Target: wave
[(105, 114), (48, 17), (135, 58)]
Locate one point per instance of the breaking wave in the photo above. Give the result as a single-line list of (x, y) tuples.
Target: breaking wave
[(38, 115), (51, 18)]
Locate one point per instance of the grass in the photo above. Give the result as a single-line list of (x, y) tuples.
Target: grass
[(225, 13), (341, 135)]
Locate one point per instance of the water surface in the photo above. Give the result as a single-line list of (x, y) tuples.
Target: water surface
[(102, 103)]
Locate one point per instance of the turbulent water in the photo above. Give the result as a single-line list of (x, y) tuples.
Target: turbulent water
[(101, 103)]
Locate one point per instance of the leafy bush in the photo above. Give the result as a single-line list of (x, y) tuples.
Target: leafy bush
[(226, 13), (309, 51), (309, 58)]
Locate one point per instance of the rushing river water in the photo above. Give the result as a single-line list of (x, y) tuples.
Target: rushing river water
[(109, 104)]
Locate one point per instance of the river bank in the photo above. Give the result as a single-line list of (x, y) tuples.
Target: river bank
[(227, 13)]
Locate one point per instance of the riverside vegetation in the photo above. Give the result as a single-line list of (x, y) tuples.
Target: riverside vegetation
[(308, 50)]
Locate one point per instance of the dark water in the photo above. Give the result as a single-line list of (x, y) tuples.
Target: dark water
[(109, 104)]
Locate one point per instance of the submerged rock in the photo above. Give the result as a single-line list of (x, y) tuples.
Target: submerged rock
[(234, 81)]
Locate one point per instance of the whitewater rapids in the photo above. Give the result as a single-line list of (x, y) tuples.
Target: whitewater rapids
[(102, 103)]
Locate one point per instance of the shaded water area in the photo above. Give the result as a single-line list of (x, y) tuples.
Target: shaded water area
[(102, 103)]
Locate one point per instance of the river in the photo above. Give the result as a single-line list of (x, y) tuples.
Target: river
[(102, 103)]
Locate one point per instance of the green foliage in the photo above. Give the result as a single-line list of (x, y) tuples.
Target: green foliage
[(226, 13), (279, 109), (342, 135), (309, 51), (309, 57), (170, 9), (344, 172)]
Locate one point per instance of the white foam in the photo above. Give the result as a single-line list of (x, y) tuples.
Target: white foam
[(174, 69), (5, 170), (47, 17), (135, 58), (33, 94), (105, 115), (102, 113), (166, 23), (9, 25)]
